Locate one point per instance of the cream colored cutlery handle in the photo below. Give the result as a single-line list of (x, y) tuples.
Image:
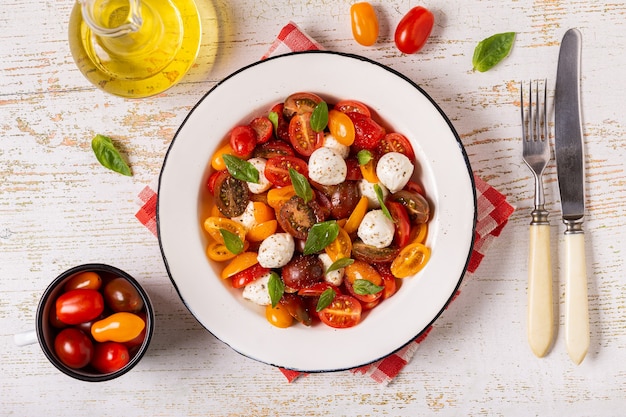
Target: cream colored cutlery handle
[(576, 303), (540, 304)]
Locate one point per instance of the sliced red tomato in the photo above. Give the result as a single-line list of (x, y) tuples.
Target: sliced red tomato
[(354, 170), (213, 179), (353, 106), (273, 148), (243, 278), (302, 136), (389, 281), (414, 29), (277, 169), (344, 311), (414, 187), (396, 142), (300, 103), (243, 141), (402, 224), (263, 128), (367, 133), (282, 128), (317, 289)]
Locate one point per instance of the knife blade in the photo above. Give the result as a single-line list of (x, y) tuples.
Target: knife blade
[(570, 165)]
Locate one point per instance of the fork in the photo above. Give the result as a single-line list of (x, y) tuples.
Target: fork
[(536, 154)]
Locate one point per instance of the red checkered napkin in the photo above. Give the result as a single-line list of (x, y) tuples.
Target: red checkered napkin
[(493, 214)]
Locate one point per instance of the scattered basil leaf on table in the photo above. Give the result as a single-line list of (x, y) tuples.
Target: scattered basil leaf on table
[(240, 169), (233, 243), (273, 116), (301, 185), (492, 50), (379, 196), (364, 156), (339, 263), (325, 299), (365, 287), (319, 117), (320, 236), (108, 155), (276, 288)]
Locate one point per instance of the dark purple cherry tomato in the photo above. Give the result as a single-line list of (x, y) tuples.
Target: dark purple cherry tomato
[(74, 348), (110, 357), (121, 295), (303, 271), (77, 306), (414, 29)]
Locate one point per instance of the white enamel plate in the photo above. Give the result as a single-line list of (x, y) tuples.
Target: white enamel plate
[(444, 172)]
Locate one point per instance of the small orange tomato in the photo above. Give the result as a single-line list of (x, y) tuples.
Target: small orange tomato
[(364, 23), (240, 262), (212, 225), (410, 260), (341, 247), (341, 127), (369, 171), (278, 316), (357, 215), (262, 212), (262, 231), (217, 161), (277, 196), (420, 232), (118, 327), (218, 252), (362, 270)]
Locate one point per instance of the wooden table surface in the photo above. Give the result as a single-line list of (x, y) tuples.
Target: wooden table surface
[(59, 208)]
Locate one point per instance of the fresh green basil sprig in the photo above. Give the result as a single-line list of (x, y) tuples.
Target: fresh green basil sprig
[(275, 288), (364, 156), (492, 50), (365, 287), (108, 155), (233, 242), (240, 169), (325, 299), (339, 263), (320, 235), (319, 117), (300, 185), (381, 201)]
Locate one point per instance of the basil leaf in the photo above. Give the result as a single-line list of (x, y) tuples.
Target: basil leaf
[(364, 156), (492, 50), (325, 299), (320, 236), (240, 169), (319, 117), (301, 185), (340, 263), (108, 156), (273, 116), (365, 287), (379, 196), (233, 242), (275, 288)]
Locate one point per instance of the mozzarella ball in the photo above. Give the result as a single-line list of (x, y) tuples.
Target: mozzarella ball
[(247, 218), (376, 229), (263, 184), (394, 170), (333, 277), (257, 290), (326, 167), (366, 189), (276, 250), (331, 143)]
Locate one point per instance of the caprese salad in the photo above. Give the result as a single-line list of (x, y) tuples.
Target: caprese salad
[(315, 215)]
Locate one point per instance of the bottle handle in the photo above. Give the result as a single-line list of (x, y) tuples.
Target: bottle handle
[(132, 23)]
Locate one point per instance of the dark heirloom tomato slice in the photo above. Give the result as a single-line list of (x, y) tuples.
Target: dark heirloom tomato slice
[(367, 133), (296, 217), (297, 307), (243, 141), (302, 136), (231, 196), (303, 271), (243, 278), (273, 148), (300, 103), (343, 199), (372, 254), (401, 222), (344, 311), (396, 142), (415, 204), (263, 128), (352, 106), (277, 169)]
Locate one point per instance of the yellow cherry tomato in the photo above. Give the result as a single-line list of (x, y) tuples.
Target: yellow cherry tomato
[(240, 262), (352, 225), (369, 171), (262, 231), (420, 232), (278, 316), (212, 225), (217, 162), (341, 247), (410, 260), (262, 212), (277, 196), (118, 327), (364, 23), (341, 127), (218, 252)]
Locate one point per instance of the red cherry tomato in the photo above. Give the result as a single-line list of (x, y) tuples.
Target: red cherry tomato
[(243, 278), (344, 311), (352, 106), (414, 29), (77, 306), (396, 142), (317, 289), (273, 148), (401, 222), (389, 281), (277, 169), (367, 133), (73, 348), (300, 103), (282, 128), (213, 179), (243, 141), (364, 23), (414, 187), (354, 170), (110, 357), (302, 136), (263, 128)]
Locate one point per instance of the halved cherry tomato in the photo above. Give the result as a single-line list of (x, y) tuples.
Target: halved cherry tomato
[(344, 311), (110, 357), (402, 224), (213, 180), (354, 170), (273, 148), (217, 161), (303, 271), (317, 289), (367, 133), (262, 212), (88, 280), (231, 195), (415, 204), (414, 187), (276, 197), (77, 306), (240, 263), (73, 347), (341, 127), (277, 169), (302, 137), (372, 254), (364, 23), (212, 226), (353, 106), (296, 217), (263, 128), (396, 142), (278, 316), (300, 103), (243, 278), (357, 215), (419, 233), (410, 260), (414, 29), (297, 308), (218, 252), (262, 231), (343, 198), (389, 281), (282, 128), (362, 270), (243, 141), (341, 247)]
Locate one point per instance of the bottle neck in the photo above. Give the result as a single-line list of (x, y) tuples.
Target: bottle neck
[(112, 18)]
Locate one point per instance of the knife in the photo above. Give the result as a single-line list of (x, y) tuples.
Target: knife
[(570, 166)]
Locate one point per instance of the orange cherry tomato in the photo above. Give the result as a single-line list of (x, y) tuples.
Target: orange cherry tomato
[(352, 225), (364, 23), (239, 263), (88, 280), (118, 327), (218, 252), (217, 162), (263, 212), (341, 247), (341, 127), (410, 260), (368, 171), (262, 231), (362, 270), (212, 225), (278, 316), (276, 197), (419, 233)]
